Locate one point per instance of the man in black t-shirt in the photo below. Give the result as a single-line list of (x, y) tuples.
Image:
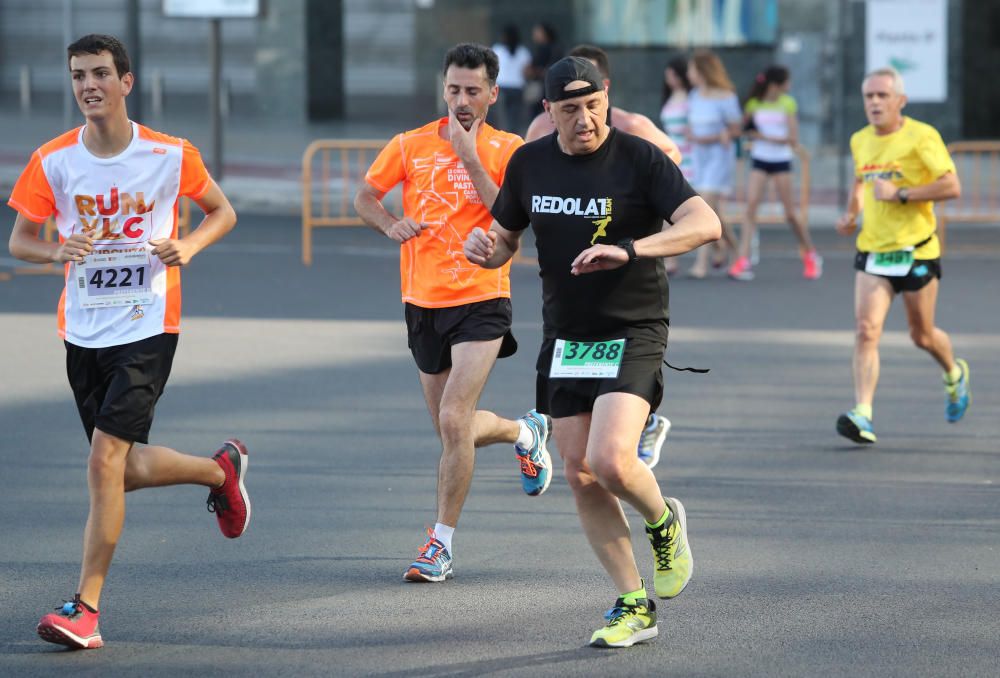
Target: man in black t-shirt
[(596, 199)]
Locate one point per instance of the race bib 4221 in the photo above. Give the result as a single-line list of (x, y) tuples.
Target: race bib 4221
[(114, 277)]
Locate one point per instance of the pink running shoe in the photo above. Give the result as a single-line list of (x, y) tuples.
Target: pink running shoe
[(812, 265), (230, 502), (72, 625), (741, 269)]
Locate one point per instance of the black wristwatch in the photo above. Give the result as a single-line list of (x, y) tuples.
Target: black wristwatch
[(904, 195), (628, 244)]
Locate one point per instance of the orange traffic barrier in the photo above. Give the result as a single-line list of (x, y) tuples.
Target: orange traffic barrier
[(770, 210), (332, 172), (978, 165)]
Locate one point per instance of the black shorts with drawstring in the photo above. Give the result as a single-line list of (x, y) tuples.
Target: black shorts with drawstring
[(641, 374), (920, 275)]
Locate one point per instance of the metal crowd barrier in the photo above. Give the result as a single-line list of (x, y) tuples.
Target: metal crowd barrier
[(332, 172), (978, 165)]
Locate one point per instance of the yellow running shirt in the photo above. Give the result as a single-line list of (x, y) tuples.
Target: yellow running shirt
[(914, 155)]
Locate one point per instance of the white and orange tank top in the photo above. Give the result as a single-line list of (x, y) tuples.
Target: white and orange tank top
[(123, 293)]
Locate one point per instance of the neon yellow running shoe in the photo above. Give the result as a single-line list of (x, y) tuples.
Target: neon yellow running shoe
[(674, 564), (630, 621)]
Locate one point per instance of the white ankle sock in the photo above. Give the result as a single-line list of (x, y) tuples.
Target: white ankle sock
[(525, 437), (444, 535)]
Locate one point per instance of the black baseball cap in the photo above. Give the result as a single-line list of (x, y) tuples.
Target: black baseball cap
[(570, 69)]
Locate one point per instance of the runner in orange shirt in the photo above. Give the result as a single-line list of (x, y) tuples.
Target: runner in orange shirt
[(112, 186), (458, 315)]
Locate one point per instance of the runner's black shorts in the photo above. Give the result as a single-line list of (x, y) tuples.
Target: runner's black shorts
[(769, 167), (431, 332), (116, 388), (921, 273), (641, 374)]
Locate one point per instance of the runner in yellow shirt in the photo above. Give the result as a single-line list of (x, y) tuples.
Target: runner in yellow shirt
[(901, 168)]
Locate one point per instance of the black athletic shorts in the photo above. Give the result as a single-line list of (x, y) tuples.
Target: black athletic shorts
[(116, 388), (772, 167), (431, 332), (641, 374), (921, 273)]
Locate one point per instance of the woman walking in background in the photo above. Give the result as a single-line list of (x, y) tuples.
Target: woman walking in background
[(514, 58), (674, 114), (545, 51), (674, 120), (714, 120), (774, 129)]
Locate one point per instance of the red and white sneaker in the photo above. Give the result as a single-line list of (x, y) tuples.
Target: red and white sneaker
[(741, 269), (812, 265), (230, 502), (72, 625)]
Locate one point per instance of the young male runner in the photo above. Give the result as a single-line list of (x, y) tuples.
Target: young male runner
[(596, 199), (655, 432), (901, 168), (113, 187), (458, 315)]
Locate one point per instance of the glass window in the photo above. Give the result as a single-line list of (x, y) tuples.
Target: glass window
[(677, 23)]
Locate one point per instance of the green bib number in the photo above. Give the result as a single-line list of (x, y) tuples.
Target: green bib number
[(587, 359), (893, 264)]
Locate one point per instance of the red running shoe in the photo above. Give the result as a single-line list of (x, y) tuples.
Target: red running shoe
[(812, 265), (72, 625), (230, 502), (741, 270)]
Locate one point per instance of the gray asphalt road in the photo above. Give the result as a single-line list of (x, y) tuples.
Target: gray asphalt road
[(813, 556)]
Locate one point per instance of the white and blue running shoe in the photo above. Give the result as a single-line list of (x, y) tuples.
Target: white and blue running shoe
[(536, 462)]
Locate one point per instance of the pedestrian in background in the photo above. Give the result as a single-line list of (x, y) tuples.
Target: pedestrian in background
[(773, 127), (514, 59), (674, 120), (674, 113), (714, 120), (544, 52)]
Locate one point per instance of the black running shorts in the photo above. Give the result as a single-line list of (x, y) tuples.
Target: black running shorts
[(921, 273), (768, 167), (641, 374), (116, 388), (431, 332)]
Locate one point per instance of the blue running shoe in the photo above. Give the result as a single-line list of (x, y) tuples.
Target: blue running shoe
[(651, 441), (536, 462), (856, 427), (433, 563), (959, 394)]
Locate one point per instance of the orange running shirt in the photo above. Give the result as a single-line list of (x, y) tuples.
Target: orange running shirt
[(437, 191), (122, 202)]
